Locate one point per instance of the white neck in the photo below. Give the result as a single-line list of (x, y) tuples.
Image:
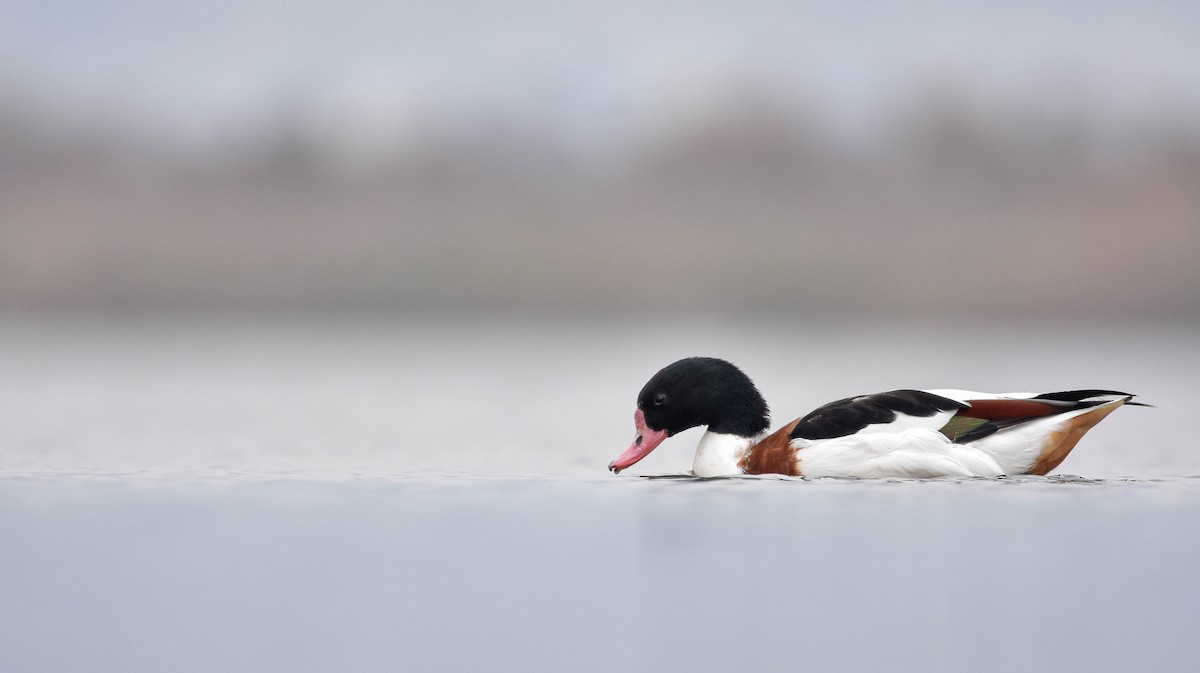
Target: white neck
[(718, 454)]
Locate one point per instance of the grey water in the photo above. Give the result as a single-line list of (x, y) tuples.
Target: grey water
[(252, 494)]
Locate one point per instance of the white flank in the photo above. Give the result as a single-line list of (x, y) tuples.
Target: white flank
[(915, 453), (718, 454)]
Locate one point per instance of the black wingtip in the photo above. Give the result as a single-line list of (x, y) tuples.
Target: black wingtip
[(1080, 395)]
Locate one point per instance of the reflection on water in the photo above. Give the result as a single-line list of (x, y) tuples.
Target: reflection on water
[(1025, 479)]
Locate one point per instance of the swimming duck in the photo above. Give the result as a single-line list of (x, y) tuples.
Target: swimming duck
[(901, 433)]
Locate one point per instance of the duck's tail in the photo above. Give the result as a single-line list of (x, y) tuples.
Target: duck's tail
[(1072, 427), (1033, 435)]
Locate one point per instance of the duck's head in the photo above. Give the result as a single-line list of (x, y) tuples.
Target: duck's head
[(690, 393)]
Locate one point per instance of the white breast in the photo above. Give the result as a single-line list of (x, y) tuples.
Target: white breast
[(718, 454)]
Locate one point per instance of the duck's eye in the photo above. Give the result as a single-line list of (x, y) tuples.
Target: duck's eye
[(660, 399)]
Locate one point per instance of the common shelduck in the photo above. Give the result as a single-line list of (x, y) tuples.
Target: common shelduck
[(901, 433)]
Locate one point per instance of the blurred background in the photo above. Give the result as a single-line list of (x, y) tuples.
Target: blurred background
[(1016, 158), (377, 237)]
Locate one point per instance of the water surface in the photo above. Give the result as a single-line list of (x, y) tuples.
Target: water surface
[(254, 495)]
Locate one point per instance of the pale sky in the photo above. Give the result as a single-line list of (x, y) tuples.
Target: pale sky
[(192, 69)]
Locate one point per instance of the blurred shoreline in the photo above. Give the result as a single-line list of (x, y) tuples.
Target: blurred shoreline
[(960, 214)]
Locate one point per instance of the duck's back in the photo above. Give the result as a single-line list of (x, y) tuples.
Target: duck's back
[(934, 433)]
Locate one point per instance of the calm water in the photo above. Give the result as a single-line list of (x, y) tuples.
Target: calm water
[(243, 495), (337, 398)]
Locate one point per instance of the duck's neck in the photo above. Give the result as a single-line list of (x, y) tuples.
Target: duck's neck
[(718, 454)]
